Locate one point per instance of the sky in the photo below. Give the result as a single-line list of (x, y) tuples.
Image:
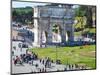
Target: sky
[(16, 4)]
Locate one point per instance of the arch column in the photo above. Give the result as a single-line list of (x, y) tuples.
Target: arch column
[(36, 31), (63, 35), (49, 36), (71, 37)]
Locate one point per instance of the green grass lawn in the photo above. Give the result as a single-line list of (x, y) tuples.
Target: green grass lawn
[(70, 55), (89, 30)]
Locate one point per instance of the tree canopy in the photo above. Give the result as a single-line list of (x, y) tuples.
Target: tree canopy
[(23, 15)]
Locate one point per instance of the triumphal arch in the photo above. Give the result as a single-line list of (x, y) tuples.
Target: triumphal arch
[(46, 18)]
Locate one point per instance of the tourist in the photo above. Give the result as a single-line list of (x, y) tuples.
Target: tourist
[(17, 59), (36, 65), (14, 47), (15, 62), (43, 61), (12, 53)]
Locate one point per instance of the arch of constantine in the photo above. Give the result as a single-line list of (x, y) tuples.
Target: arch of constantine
[(45, 17)]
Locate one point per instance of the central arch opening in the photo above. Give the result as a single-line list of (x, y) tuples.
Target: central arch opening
[(56, 33), (67, 36)]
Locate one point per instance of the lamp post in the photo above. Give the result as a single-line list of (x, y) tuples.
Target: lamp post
[(55, 29), (56, 50)]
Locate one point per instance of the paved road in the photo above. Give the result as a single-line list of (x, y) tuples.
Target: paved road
[(29, 68)]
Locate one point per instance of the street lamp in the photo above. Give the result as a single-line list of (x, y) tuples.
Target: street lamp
[(55, 29)]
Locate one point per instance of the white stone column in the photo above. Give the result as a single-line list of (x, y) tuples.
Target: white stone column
[(36, 31)]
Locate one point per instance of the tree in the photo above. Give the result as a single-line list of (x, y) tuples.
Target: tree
[(14, 14), (85, 11), (22, 15), (89, 16)]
